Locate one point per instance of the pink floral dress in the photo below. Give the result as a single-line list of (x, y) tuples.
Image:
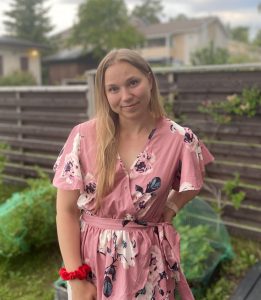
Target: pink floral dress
[(133, 255)]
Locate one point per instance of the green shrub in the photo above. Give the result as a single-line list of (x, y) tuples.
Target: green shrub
[(27, 218), (17, 78), (194, 266), (246, 104)]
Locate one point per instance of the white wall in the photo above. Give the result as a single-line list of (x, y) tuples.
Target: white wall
[(11, 61)]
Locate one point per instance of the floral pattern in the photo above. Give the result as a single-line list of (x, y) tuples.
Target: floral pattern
[(142, 198), (89, 191), (58, 161), (156, 275), (71, 163), (118, 245), (136, 251), (143, 164)]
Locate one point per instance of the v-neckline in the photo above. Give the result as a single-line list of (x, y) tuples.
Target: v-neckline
[(149, 138)]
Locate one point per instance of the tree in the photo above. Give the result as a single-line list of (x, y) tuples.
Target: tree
[(28, 20), (240, 33), (257, 40), (103, 25), (179, 17), (149, 11), (210, 56)]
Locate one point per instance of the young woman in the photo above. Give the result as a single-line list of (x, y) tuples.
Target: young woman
[(121, 178)]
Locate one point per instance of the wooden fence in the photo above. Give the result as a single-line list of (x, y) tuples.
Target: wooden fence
[(36, 121), (236, 146)]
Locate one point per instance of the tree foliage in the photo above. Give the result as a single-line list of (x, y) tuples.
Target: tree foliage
[(103, 25), (28, 19), (17, 78), (210, 56), (149, 11), (240, 33), (257, 40)]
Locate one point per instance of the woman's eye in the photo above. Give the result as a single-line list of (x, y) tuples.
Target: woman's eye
[(112, 89), (134, 82)]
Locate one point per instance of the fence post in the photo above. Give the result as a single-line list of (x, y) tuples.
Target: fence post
[(90, 93)]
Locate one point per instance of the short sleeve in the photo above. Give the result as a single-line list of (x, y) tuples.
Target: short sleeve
[(68, 174), (194, 156)]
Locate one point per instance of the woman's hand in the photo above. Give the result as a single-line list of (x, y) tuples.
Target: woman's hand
[(168, 215), (83, 290)]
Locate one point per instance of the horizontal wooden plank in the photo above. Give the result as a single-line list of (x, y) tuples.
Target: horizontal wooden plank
[(13, 180), (33, 144), (30, 158), (245, 229), (193, 106), (38, 131), (22, 171), (243, 214), (249, 287), (79, 101), (233, 129), (237, 152), (39, 116), (229, 82), (247, 173), (245, 205), (253, 193)]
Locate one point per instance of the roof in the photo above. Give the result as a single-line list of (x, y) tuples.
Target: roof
[(17, 42), (66, 54), (177, 26)]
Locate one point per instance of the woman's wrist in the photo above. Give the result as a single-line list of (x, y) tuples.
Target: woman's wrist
[(173, 206), (81, 273)]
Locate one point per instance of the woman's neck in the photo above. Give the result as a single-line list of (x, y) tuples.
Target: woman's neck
[(136, 127)]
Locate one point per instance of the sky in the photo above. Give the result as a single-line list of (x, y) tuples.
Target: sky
[(63, 13)]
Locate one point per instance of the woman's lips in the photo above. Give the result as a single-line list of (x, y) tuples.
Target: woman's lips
[(130, 105)]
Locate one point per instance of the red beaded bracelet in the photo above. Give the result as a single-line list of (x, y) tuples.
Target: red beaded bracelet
[(81, 273)]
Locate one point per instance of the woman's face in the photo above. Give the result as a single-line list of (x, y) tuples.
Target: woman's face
[(128, 90)]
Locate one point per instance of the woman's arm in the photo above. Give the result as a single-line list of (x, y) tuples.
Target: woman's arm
[(68, 229), (179, 199)]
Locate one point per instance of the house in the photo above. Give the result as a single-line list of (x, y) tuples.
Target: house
[(165, 44), (20, 55), (69, 65), (173, 42)]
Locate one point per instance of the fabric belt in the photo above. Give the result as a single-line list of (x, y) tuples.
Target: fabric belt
[(169, 243)]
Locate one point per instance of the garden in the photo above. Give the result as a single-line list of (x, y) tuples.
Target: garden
[(29, 253)]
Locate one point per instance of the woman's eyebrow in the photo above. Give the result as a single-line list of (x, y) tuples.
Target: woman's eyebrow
[(126, 80)]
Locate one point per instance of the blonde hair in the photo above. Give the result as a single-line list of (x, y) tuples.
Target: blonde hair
[(107, 120)]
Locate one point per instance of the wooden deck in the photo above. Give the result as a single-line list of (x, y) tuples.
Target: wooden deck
[(250, 286)]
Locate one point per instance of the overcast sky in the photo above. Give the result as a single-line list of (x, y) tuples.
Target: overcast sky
[(234, 12)]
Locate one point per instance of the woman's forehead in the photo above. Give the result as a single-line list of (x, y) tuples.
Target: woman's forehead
[(119, 71)]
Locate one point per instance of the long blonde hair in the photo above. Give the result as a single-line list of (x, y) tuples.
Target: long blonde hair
[(107, 120)]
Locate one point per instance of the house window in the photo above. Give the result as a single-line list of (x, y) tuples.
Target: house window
[(24, 64), (157, 42), (1, 66)]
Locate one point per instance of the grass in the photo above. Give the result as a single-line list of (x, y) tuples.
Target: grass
[(31, 276), (247, 253)]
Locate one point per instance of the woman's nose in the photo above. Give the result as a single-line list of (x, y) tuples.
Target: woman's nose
[(125, 94)]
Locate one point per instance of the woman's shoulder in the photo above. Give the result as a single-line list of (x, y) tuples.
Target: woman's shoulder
[(87, 126), (176, 131), (173, 127)]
